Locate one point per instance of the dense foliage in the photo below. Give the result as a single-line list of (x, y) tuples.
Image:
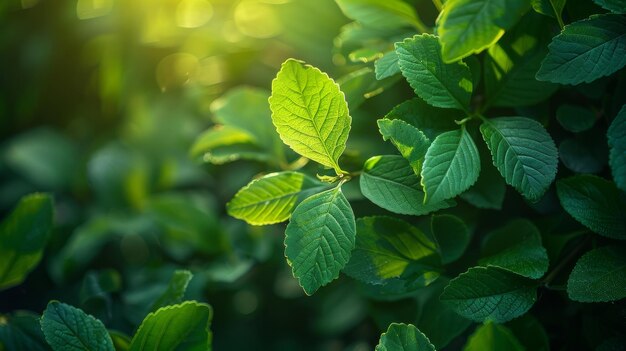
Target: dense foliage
[(460, 185)]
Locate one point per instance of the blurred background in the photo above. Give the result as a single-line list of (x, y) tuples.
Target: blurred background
[(100, 103)]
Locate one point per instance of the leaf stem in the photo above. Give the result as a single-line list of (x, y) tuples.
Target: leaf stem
[(564, 262), (438, 4)]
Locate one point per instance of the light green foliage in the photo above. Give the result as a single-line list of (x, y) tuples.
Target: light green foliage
[(21, 331), (470, 26), (523, 152), (387, 66), (452, 235), (223, 144), (403, 337), (586, 50), (599, 276), (439, 84), (178, 327), (616, 136), (68, 328), (389, 182), (319, 238), (410, 141), (574, 118), (175, 290), (615, 6), (391, 249), (511, 65), (310, 113), (420, 115), (272, 198), (451, 166), (500, 296), (380, 14), (517, 248), (596, 203), (23, 235), (493, 337)]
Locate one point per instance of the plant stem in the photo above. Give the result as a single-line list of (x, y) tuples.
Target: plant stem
[(559, 267), (438, 4)]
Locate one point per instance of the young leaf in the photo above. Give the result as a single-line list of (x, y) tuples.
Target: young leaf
[(178, 327), (596, 203), (391, 249), (21, 331), (23, 235), (599, 276), (310, 113), (272, 198), (410, 141), (387, 66), (439, 84), (175, 290), (389, 182), (470, 26), (419, 114), (617, 148), (493, 337), (68, 328), (586, 50), (403, 337), (319, 239), (574, 118), (380, 14), (615, 6), (516, 247), (452, 235), (451, 166), (490, 293), (523, 152)]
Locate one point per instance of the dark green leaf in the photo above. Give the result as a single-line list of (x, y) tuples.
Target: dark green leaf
[(530, 333), (403, 337), (175, 290), (21, 331), (452, 235), (599, 276), (420, 115), (552, 8), (440, 322), (615, 6), (617, 148), (489, 190), (387, 65), (585, 153), (575, 118)]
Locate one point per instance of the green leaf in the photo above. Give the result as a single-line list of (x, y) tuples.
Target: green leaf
[(552, 8), (387, 66), (493, 337), (489, 190), (420, 115), (178, 327), (389, 182), (310, 113), (21, 331), (585, 153), (23, 235), (391, 249), (615, 6), (616, 135), (511, 65), (223, 144), (451, 166), (439, 84), (319, 239), (574, 118), (380, 14), (272, 198), (516, 247), (175, 290), (68, 328), (361, 85), (596, 203), (490, 293), (530, 333), (466, 27), (403, 337), (586, 50), (523, 152), (599, 276), (452, 235), (410, 141)]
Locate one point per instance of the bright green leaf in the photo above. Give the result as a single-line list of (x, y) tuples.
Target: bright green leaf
[(451, 166), (420, 115), (470, 26), (68, 328), (391, 249), (23, 235), (438, 83), (178, 327), (516, 247), (599, 276), (389, 182), (272, 198), (493, 337), (490, 293), (175, 290), (310, 113), (617, 148), (574, 118), (387, 65), (410, 141), (319, 238), (596, 203), (523, 152), (380, 14), (403, 337), (586, 50), (452, 235), (615, 6), (364, 55)]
